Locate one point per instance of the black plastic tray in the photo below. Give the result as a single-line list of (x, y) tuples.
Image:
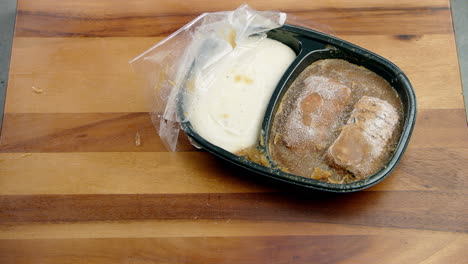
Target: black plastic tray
[(311, 46)]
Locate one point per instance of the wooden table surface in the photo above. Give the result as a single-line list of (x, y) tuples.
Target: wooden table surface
[(74, 188)]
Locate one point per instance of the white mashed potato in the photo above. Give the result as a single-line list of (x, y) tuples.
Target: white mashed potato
[(230, 98)]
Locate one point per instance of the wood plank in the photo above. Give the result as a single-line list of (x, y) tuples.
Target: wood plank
[(74, 188), (81, 173), (76, 92), (96, 71), (443, 211), (270, 249), (55, 18), (196, 228), (121, 7), (196, 172), (98, 132), (429, 169), (440, 129), (452, 253), (110, 132), (90, 56)]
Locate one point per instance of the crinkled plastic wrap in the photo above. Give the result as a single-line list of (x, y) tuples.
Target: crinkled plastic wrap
[(172, 68)]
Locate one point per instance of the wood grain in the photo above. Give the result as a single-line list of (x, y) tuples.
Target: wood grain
[(105, 132), (441, 208), (117, 172), (246, 249), (197, 172), (82, 133), (120, 7), (54, 18), (96, 71), (198, 228), (74, 188)]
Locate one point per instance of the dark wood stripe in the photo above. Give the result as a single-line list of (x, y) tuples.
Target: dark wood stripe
[(411, 209), (86, 132), (78, 23), (434, 169), (107, 132), (269, 249), (324, 249), (440, 128)]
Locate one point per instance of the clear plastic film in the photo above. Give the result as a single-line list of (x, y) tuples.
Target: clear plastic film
[(187, 62)]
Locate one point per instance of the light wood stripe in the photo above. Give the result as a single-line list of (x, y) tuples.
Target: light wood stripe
[(96, 76), (76, 75), (198, 228), (81, 173), (86, 56), (78, 92), (196, 172)]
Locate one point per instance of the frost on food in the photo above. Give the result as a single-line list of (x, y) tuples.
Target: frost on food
[(316, 113), (363, 139)]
